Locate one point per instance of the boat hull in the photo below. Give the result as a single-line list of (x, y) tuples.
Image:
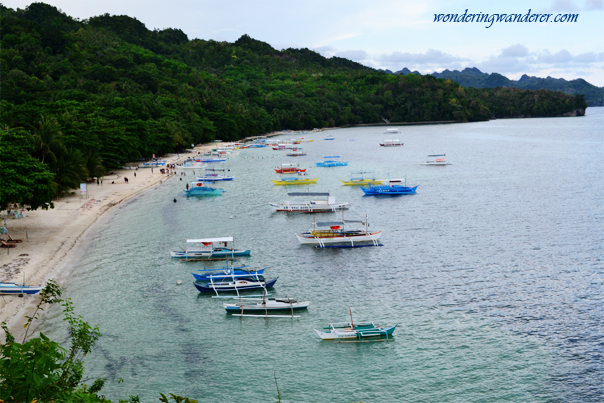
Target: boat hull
[(331, 164), (389, 190), (295, 182), (210, 254), (363, 182), (16, 289), (309, 208), (268, 306), (344, 238), (348, 334), (239, 285)]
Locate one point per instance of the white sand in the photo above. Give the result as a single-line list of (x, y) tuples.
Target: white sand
[(56, 234)]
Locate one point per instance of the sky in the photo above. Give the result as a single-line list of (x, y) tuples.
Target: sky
[(389, 34)]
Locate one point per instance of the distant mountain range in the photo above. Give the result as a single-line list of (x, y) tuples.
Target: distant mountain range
[(472, 77)]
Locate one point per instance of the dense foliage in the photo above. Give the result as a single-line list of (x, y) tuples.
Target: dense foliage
[(40, 369), (98, 93)]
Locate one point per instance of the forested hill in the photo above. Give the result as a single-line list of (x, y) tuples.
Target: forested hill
[(472, 77), (116, 91)]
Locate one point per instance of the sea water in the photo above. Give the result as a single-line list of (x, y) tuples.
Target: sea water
[(493, 272)]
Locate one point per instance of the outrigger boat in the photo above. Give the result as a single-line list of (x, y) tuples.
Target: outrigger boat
[(326, 205), (295, 181), (210, 159), (153, 164), (393, 188), (391, 131), (331, 161), (348, 331), (18, 289), (197, 189), (437, 159), (362, 178), (235, 284), (289, 169), (267, 305), (391, 143), (213, 176), (209, 251), (329, 138), (296, 152), (335, 234), (191, 164), (227, 272)]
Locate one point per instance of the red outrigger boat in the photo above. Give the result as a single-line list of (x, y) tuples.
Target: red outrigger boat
[(289, 168)]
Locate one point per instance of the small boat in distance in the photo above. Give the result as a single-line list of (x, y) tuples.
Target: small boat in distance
[(289, 168), (18, 289), (391, 131), (331, 161), (391, 143), (295, 180), (326, 205), (211, 176), (210, 248), (296, 152), (329, 138), (153, 164), (362, 178), (436, 159)]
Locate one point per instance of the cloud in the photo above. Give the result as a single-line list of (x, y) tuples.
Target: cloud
[(430, 57), (594, 4), (562, 56), (564, 5), (356, 55), (326, 51), (517, 50)]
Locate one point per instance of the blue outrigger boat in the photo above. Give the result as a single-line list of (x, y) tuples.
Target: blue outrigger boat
[(393, 188), (228, 273), (332, 161)]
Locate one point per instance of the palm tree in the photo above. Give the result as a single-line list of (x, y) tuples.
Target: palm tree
[(70, 170), (48, 138)]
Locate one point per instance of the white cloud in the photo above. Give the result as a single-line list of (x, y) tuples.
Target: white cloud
[(594, 4), (517, 50), (430, 57)]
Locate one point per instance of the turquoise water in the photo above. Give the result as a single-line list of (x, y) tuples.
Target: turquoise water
[(493, 272)]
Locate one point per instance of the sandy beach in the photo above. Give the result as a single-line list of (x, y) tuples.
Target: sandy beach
[(51, 236)]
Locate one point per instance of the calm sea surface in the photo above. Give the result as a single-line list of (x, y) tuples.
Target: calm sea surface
[(494, 272)]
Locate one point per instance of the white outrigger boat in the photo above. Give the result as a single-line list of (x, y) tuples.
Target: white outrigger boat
[(437, 159), (310, 205), (209, 251), (266, 305), (346, 331), (334, 234)]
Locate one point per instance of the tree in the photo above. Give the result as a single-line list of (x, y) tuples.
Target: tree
[(23, 179), (47, 138)]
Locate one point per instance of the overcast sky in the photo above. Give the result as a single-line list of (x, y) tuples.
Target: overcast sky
[(388, 34)]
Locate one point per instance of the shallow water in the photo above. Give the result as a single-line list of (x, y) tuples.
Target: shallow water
[(493, 271)]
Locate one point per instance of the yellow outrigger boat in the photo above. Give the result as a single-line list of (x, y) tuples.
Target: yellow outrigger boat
[(362, 178), (295, 181)]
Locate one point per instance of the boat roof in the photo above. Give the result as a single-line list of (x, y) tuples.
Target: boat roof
[(392, 130), (223, 239), (324, 194), (334, 223), (392, 140), (437, 155), (332, 156)]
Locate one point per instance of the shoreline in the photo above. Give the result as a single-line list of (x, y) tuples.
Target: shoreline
[(50, 237)]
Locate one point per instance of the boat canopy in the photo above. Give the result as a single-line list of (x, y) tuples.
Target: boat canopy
[(332, 156), (336, 223), (391, 131), (437, 155), (206, 240), (323, 194), (392, 140)]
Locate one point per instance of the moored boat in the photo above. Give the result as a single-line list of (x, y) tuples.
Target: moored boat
[(289, 168), (267, 305), (241, 272), (391, 143), (436, 159), (197, 189), (210, 248), (311, 205), (331, 161), (348, 331), (296, 180), (18, 289), (394, 187), (362, 178), (233, 285), (324, 234)]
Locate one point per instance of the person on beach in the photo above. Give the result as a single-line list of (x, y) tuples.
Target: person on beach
[(187, 186), (135, 174), (151, 170), (98, 182), (125, 179), (101, 182)]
